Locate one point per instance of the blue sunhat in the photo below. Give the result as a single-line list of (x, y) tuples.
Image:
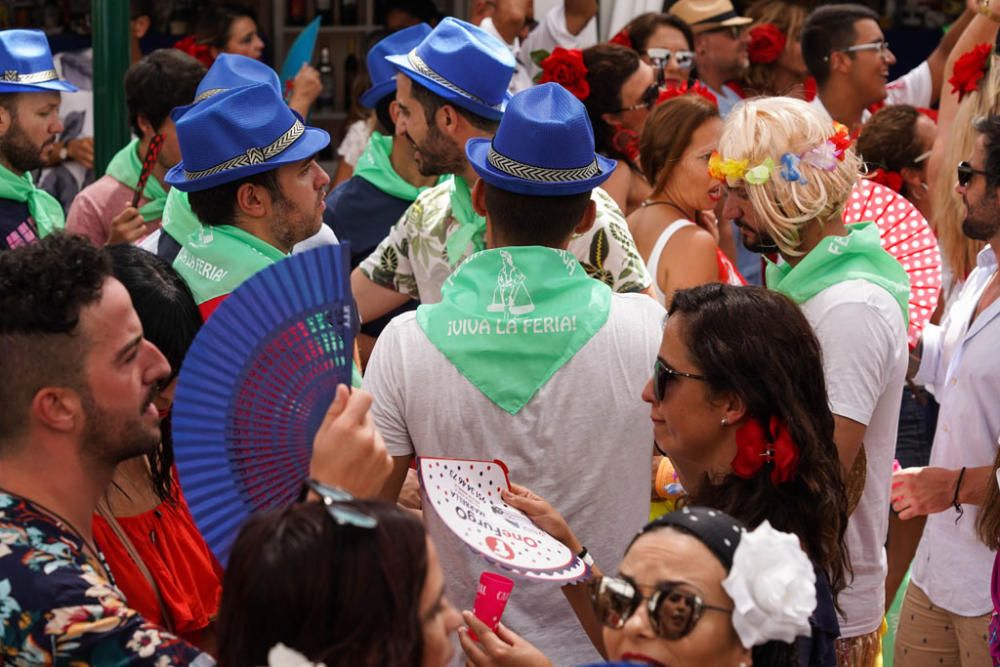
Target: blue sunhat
[(464, 64), (543, 147), (238, 133), (382, 72), (26, 64), (227, 72)]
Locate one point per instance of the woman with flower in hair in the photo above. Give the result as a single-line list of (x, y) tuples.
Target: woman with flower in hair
[(619, 90), (676, 239), (664, 42), (775, 51)]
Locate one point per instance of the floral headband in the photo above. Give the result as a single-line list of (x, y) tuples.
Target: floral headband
[(824, 157), (696, 88), (970, 67)]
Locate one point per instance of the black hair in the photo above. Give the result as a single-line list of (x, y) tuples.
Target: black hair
[(430, 102), (43, 288), (217, 205), (164, 79), (383, 116), (526, 220), (608, 67), (215, 23), (642, 27), (989, 127), (425, 11), (170, 321), (828, 29)]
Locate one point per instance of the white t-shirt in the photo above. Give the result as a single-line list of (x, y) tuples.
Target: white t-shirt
[(550, 33), (520, 81), (862, 334), (913, 88), (583, 442)]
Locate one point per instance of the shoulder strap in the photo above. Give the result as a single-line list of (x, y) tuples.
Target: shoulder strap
[(654, 256), (137, 559)]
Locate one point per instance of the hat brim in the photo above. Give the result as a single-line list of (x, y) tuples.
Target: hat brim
[(311, 142), (403, 64), (699, 28), (56, 86), (371, 97), (477, 150)]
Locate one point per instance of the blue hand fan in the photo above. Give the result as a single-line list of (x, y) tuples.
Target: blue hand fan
[(300, 52), (254, 389)]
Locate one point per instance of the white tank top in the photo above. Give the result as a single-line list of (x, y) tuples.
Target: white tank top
[(654, 256)]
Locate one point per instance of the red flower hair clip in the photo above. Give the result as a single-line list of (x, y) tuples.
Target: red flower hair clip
[(890, 179), (969, 69), (767, 43), (621, 38), (684, 89), (755, 447), (566, 67)]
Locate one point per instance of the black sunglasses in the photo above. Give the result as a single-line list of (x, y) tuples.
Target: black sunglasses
[(338, 507), (735, 31), (673, 609), (966, 172), (663, 373), (647, 100)]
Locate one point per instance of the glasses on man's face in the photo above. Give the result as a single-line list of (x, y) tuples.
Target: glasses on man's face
[(663, 374), (733, 31), (881, 46), (966, 172), (673, 609), (660, 57), (647, 100), (338, 507)]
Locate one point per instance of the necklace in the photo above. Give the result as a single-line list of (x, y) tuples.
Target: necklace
[(666, 202)]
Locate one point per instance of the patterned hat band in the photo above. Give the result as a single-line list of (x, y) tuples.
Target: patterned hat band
[(11, 76), (211, 92), (529, 172), (418, 64), (253, 155)]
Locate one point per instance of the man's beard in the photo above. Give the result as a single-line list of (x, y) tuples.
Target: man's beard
[(18, 150), (761, 242), (438, 154), (111, 442), (982, 222), (293, 225)]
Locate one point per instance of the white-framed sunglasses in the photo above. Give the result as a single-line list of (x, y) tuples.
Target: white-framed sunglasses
[(882, 46), (683, 59)]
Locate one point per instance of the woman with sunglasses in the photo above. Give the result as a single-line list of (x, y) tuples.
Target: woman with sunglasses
[(664, 42), (341, 582), (676, 239)]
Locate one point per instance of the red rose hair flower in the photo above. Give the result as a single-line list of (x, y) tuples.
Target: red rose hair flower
[(969, 69), (890, 179), (565, 67), (767, 43), (621, 38), (755, 447)]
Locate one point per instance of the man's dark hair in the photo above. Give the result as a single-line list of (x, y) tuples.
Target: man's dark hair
[(140, 8), (383, 116), (989, 126), (828, 29), (217, 206), (164, 79), (431, 102), (43, 288), (527, 220)]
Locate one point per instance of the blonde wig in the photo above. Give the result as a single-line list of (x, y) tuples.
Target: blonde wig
[(769, 127)]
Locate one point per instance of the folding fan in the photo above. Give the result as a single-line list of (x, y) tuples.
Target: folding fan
[(255, 386), (907, 237)]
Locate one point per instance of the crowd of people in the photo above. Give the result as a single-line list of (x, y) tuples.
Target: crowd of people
[(561, 248)]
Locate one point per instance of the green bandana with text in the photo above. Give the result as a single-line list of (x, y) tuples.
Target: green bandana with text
[(375, 166), (511, 317), (125, 167), (43, 207), (857, 256), (472, 227)]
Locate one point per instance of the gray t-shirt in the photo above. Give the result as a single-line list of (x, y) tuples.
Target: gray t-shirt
[(584, 443)]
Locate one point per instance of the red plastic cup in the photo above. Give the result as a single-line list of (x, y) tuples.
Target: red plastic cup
[(492, 594)]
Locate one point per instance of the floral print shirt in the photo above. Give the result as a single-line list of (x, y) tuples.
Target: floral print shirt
[(413, 258), (57, 608)]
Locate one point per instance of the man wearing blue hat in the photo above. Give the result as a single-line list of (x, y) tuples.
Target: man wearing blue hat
[(29, 123), (249, 171), (451, 88), (519, 348), (103, 210)]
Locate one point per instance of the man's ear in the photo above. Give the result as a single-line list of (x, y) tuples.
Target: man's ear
[(394, 111), (148, 131), (253, 200), (587, 220), (58, 409), (841, 62), (6, 119)]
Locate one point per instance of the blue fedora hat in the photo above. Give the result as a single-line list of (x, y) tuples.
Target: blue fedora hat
[(382, 72), (227, 72), (238, 133), (464, 64), (543, 147), (26, 64)]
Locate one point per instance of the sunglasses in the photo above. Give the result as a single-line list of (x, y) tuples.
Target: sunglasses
[(882, 46), (647, 100), (342, 513), (683, 59), (663, 374), (966, 172), (735, 31), (673, 609)]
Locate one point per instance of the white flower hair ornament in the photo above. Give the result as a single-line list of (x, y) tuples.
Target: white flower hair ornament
[(282, 656), (773, 587)]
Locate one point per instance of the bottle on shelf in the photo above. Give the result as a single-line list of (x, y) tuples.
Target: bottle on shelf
[(350, 73), (325, 100), (324, 11), (296, 12), (348, 12)]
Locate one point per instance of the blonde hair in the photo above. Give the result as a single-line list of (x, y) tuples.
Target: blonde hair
[(769, 127), (788, 17)]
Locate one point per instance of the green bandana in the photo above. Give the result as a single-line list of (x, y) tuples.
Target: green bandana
[(178, 219), (43, 207), (511, 317), (859, 255), (375, 167), (472, 227), (216, 259), (125, 168)]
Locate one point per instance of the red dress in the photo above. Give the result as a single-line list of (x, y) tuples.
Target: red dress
[(176, 555)]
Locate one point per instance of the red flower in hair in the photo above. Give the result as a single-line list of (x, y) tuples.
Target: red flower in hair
[(697, 89), (755, 447), (767, 43), (890, 179), (626, 142), (565, 67), (969, 69), (200, 52), (621, 38)]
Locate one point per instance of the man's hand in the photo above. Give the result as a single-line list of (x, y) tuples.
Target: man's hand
[(503, 648), (81, 150), (921, 491), (127, 227), (348, 450)]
